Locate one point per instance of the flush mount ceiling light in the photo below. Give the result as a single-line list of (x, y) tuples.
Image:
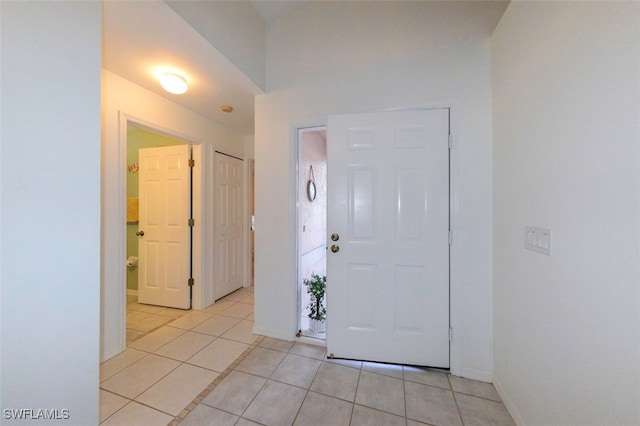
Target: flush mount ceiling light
[(226, 108), (173, 83)]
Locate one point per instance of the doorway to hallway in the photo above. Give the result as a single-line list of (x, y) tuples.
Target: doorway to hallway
[(312, 231)]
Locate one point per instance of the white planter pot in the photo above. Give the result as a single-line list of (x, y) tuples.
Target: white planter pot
[(317, 326)]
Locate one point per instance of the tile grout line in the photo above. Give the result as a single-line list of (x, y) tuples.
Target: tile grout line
[(215, 381), (455, 400), (266, 381), (273, 372), (198, 399), (232, 367), (308, 389), (404, 397), (130, 400)]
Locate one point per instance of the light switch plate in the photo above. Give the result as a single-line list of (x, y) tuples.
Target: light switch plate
[(537, 239)]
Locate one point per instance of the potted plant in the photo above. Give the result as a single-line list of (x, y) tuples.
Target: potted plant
[(317, 311)]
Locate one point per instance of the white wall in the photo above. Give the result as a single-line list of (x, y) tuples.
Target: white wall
[(566, 132), (249, 147), (50, 189), (350, 57), (234, 27), (122, 96)]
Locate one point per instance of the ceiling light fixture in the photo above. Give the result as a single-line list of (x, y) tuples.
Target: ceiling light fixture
[(173, 83), (226, 108)]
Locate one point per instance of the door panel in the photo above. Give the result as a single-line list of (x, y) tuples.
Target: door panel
[(388, 285), (164, 249), (228, 225)]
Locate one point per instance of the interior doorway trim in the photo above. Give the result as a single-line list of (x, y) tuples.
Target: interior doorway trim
[(300, 336), (199, 242)]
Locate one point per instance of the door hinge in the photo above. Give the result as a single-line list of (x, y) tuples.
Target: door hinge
[(191, 222), (192, 162), (450, 237), (450, 334), (450, 141), (190, 282)]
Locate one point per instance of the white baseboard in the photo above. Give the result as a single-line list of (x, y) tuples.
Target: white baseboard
[(479, 375), (276, 334), (511, 408), (132, 292), (311, 341)]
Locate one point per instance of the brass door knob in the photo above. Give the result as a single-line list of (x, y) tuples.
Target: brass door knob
[(335, 248), (140, 233)]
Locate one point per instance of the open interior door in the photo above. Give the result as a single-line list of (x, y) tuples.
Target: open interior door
[(388, 226), (164, 249)]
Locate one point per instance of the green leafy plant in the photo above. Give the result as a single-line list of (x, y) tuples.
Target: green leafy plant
[(315, 288)]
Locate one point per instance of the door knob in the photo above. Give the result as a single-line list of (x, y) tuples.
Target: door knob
[(335, 248), (140, 233), (335, 237)]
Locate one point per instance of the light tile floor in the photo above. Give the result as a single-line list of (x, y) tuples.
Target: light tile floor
[(142, 319), (171, 356), (206, 368)]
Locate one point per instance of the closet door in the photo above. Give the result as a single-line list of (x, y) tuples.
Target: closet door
[(228, 225)]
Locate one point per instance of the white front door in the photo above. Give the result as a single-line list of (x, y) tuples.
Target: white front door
[(228, 225), (164, 248), (388, 206)]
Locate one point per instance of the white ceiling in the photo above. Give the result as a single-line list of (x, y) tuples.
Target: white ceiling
[(143, 36), (272, 10)]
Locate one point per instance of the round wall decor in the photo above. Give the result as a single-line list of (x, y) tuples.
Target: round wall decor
[(311, 185)]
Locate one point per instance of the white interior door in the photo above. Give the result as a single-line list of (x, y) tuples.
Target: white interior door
[(228, 225), (388, 203), (164, 250)]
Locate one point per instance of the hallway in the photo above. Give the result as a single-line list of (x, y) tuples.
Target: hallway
[(207, 368)]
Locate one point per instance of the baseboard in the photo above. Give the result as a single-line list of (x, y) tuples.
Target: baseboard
[(276, 334), (511, 408), (479, 375), (311, 341), (131, 292)]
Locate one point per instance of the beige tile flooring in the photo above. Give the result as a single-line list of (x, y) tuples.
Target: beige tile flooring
[(142, 319), (207, 368)]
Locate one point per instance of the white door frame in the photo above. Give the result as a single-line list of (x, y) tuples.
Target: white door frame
[(249, 205), (297, 150), (455, 264), (201, 246)]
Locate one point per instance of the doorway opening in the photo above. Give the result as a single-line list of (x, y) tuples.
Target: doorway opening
[(312, 231), (143, 318)]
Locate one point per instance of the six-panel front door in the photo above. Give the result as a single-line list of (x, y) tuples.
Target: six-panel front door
[(388, 268), (164, 249)]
